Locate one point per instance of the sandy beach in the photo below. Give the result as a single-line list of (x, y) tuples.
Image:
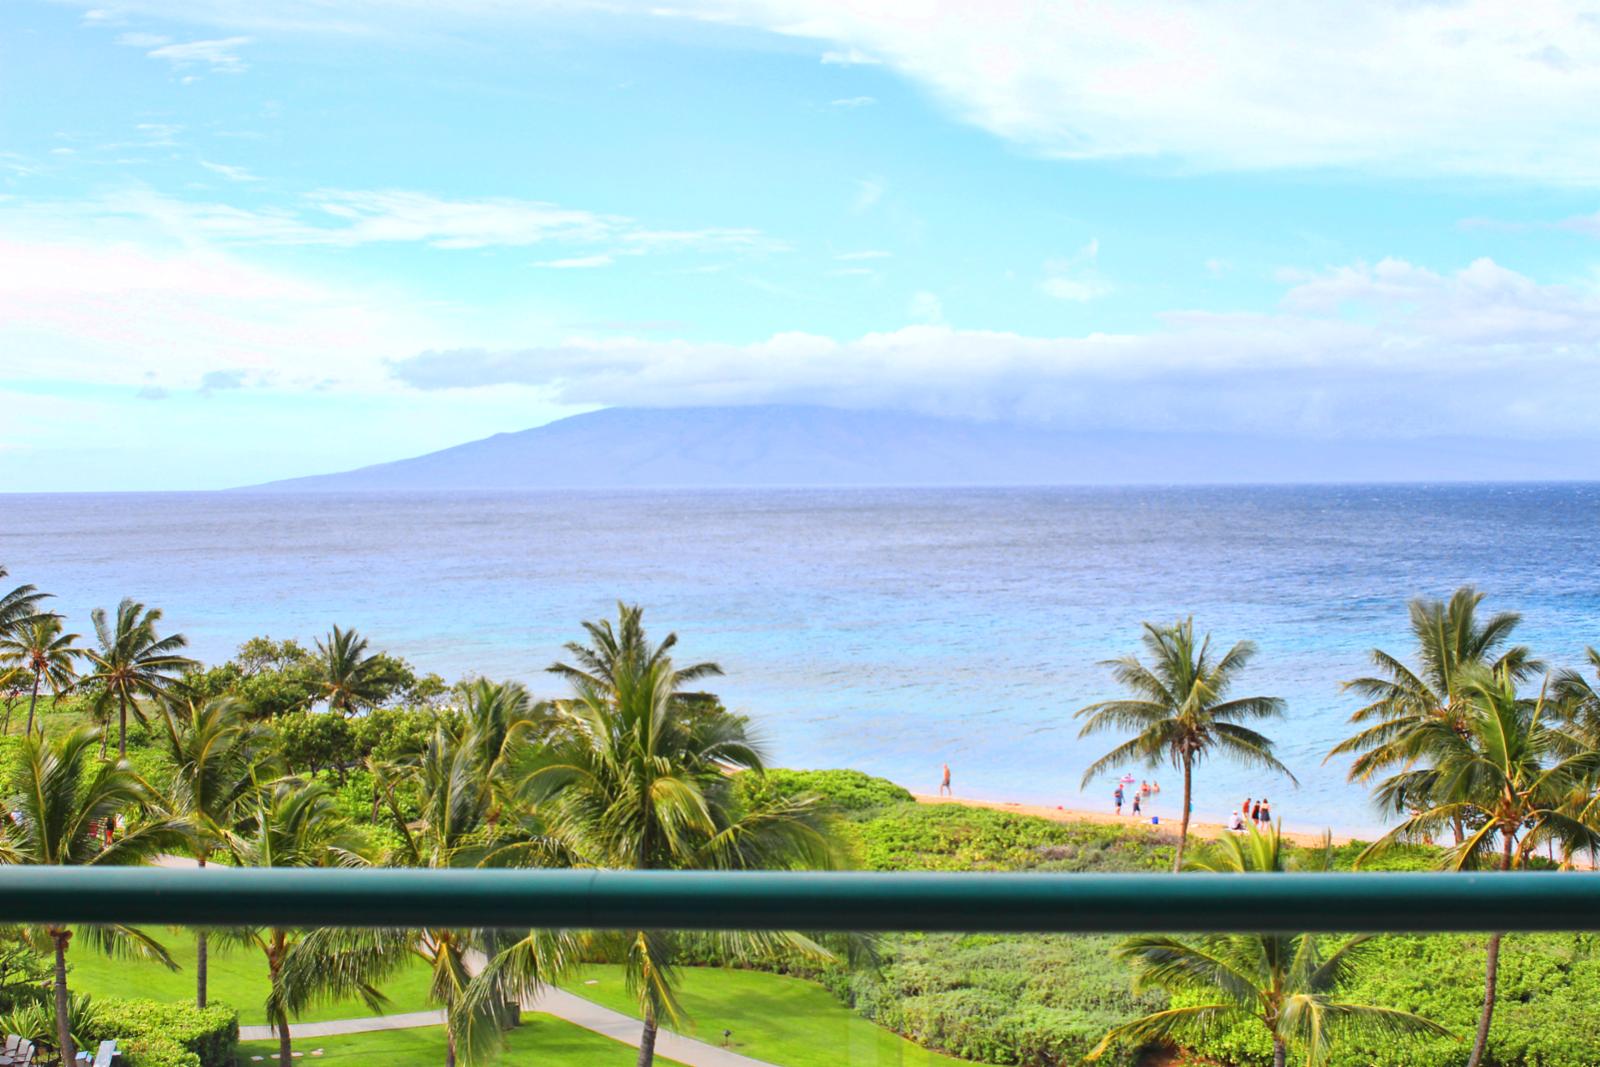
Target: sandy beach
[(1209, 830)]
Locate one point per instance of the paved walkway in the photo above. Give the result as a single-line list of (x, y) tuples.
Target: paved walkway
[(557, 1002)]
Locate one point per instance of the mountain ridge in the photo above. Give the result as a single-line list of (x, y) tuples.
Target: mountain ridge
[(771, 446)]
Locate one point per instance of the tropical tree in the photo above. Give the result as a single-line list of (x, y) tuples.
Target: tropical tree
[(59, 800), (19, 605), (1179, 710), (610, 647), (13, 683), (1452, 640), (1288, 983), (636, 778), (133, 662), (217, 758), (456, 790), (347, 676), (297, 824), (38, 647), (1506, 767)]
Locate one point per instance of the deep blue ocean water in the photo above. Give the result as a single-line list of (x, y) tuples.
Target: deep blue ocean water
[(889, 630)]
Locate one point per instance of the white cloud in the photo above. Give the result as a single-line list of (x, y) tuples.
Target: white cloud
[(1387, 349), (221, 55), (852, 57), (232, 173), (855, 101), (1076, 277), (1465, 87), (348, 218), (577, 262)]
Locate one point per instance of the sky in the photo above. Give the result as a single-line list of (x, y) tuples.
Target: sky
[(243, 240)]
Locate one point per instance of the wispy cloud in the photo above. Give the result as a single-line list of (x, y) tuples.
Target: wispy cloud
[(1076, 277), (232, 173), (849, 57), (855, 101), (220, 55), (578, 262)]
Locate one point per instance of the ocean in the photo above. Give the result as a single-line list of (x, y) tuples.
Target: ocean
[(887, 630)]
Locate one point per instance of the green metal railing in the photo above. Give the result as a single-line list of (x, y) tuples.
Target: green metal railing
[(805, 901)]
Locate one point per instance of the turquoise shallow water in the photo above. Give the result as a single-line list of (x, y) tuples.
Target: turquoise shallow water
[(890, 630)]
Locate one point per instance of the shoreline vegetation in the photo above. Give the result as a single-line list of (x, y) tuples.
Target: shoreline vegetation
[(338, 754)]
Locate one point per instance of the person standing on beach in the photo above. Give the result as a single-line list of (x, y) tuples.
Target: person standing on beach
[(1117, 796), (944, 785), (1255, 815), (1136, 808), (1266, 813)]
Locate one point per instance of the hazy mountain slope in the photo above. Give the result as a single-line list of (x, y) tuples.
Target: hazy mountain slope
[(814, 446)]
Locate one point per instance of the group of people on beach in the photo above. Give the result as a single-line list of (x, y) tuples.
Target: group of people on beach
[(1259, 812), (1145, 789)]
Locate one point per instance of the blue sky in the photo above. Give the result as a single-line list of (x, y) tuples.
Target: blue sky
[(249, 240)]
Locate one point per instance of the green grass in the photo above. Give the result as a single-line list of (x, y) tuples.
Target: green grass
[(541, 1039), (237, 977), (786, 1021)]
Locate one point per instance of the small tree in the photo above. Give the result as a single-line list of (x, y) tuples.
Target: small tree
[(133, 662), (1179, 710), (37, 647)]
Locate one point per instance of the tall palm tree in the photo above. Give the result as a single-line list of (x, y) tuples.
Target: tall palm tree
[(38, 647), (19, 605), (1288, 983), (133, 662), (1502, 765), (635, 780), (297, 824), (217, 758), (611, 646), (1179, 710), (456, 787), (348, 678), (1451, 639), (59, 798)]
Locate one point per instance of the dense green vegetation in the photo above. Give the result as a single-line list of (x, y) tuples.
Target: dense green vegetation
[(332, 754), (540, 1039)]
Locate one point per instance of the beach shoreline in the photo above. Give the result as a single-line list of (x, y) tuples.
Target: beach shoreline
[(1204, 830)]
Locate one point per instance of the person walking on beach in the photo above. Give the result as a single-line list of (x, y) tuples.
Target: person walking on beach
[(944, 785), (1266, 813), (1136, 808), (1255, 815), (1117, 796)]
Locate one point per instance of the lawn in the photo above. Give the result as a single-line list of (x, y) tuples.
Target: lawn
[(786, 1021), (540, 1039), (237, 977)]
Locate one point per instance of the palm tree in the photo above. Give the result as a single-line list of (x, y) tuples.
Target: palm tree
[(1289, 983), (456, 781), (600, 662), (133, 662), (634, 779), (1179, 709), (297, 824), (1451, 639), (347, 677), (60, 797), (217, 756), (1503, 766), (38, 646), (20, 605)]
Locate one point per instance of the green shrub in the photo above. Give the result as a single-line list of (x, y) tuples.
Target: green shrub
[(841, 791), (153, 1034), (949, 837)]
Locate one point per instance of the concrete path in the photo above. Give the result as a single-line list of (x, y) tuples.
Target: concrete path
[(557, 1002)]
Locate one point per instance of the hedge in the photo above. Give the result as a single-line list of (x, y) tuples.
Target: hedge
[(153, 1034)]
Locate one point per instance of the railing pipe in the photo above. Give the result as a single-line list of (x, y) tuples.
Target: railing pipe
[(1078, 903)]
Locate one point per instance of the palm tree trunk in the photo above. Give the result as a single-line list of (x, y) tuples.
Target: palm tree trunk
[(200, 953), (647, 1040), (1457, 829), (1280, 1052), (1491, 971), (63, 1002), (285, 1047), (122, 726), (33, 702), (1491, 975), (449, 1042), (1183, 823)]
